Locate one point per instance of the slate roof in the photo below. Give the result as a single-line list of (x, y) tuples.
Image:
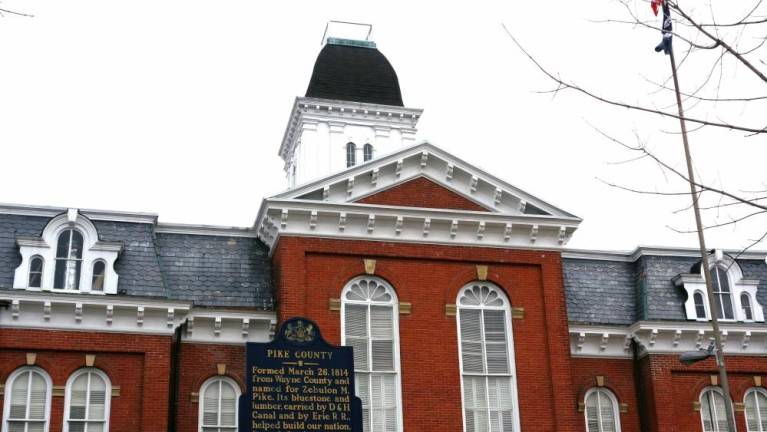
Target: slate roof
[(217, 271), (210, 271), (621, 293), (10, 227), (354, 73), (600, 292)]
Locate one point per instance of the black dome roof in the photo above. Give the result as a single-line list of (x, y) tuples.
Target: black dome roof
[(354, 71)]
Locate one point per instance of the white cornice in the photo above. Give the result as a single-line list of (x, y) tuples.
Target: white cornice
[(350, 112), (208, 230), (410, 224), (103, 215), (664, 337), (103, 313), (632, 256)]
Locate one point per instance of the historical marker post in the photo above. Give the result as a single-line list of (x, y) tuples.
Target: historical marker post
[(298, 382)]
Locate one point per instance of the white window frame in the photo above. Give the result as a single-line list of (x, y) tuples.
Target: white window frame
[(9, 389), (394, 303), (506, 307), (107, 397), (351, 154), (692, 283), (42, 269), (45, 246), (761, 391), (201, 402), (714, 423), (613, 400)]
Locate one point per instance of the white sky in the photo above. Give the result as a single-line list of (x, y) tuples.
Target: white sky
[(178, 107)]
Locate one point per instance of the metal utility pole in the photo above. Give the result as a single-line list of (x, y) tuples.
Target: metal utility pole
[(712, 306)]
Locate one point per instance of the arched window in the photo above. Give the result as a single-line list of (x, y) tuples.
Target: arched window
[(99, 272), (700, 306), (756, 410), (367, 152), (745, 304), (69, 254), (722, 293), (601, 411), (370, 321), (36, 272), (88, 396), (218, 406), (351, 154), (487, 359), (712, 413), (27, 403)]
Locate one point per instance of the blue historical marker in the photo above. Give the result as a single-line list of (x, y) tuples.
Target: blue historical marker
[(299, 382)]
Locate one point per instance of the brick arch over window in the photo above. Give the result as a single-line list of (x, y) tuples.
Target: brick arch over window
[(469, 275), (344, 273), (589, 384), (207, 375)]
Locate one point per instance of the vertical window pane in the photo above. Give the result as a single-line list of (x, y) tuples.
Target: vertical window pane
[(351, 154), (485, 355), (35, 272), (368, 152), (97, 282), (62, 248), (28, 402), (369, 327), (219, 397), (700, 308), (745, 303)]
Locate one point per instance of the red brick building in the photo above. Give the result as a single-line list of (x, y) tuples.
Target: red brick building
[(465, 308)]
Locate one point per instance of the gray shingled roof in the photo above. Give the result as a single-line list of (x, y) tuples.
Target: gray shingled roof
[(138, 264), (10, 227), (599, 292), (619, 292), (217, 271)]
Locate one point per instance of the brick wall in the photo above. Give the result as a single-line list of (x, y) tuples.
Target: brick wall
[(309, 272), (422, 192), (618, 378), (198, 364), (138, 364), (676, 387)]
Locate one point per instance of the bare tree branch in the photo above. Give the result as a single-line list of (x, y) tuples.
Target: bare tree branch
[(565, 85)]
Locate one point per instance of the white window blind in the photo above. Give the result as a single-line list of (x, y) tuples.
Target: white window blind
[(756, 410), (87, 405), (601, 410), (27, 401), (489, 390), (712, 412), (370, 327), (218, 405)]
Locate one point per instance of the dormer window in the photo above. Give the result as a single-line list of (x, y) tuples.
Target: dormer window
[(80, 261), (351, 154), (367, 152), (99, 271), (722, 293), (36, 272), (734, 296), (69, 259)]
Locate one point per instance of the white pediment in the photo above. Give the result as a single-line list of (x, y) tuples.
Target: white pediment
[(428, 161), (330, 207)]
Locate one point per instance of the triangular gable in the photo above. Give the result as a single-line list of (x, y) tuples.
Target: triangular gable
[(422, 192), (423, 160)]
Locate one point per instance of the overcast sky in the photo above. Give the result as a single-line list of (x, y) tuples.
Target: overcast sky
[(178, 107)]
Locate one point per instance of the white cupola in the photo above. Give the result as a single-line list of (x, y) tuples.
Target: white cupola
[(352, 111)]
